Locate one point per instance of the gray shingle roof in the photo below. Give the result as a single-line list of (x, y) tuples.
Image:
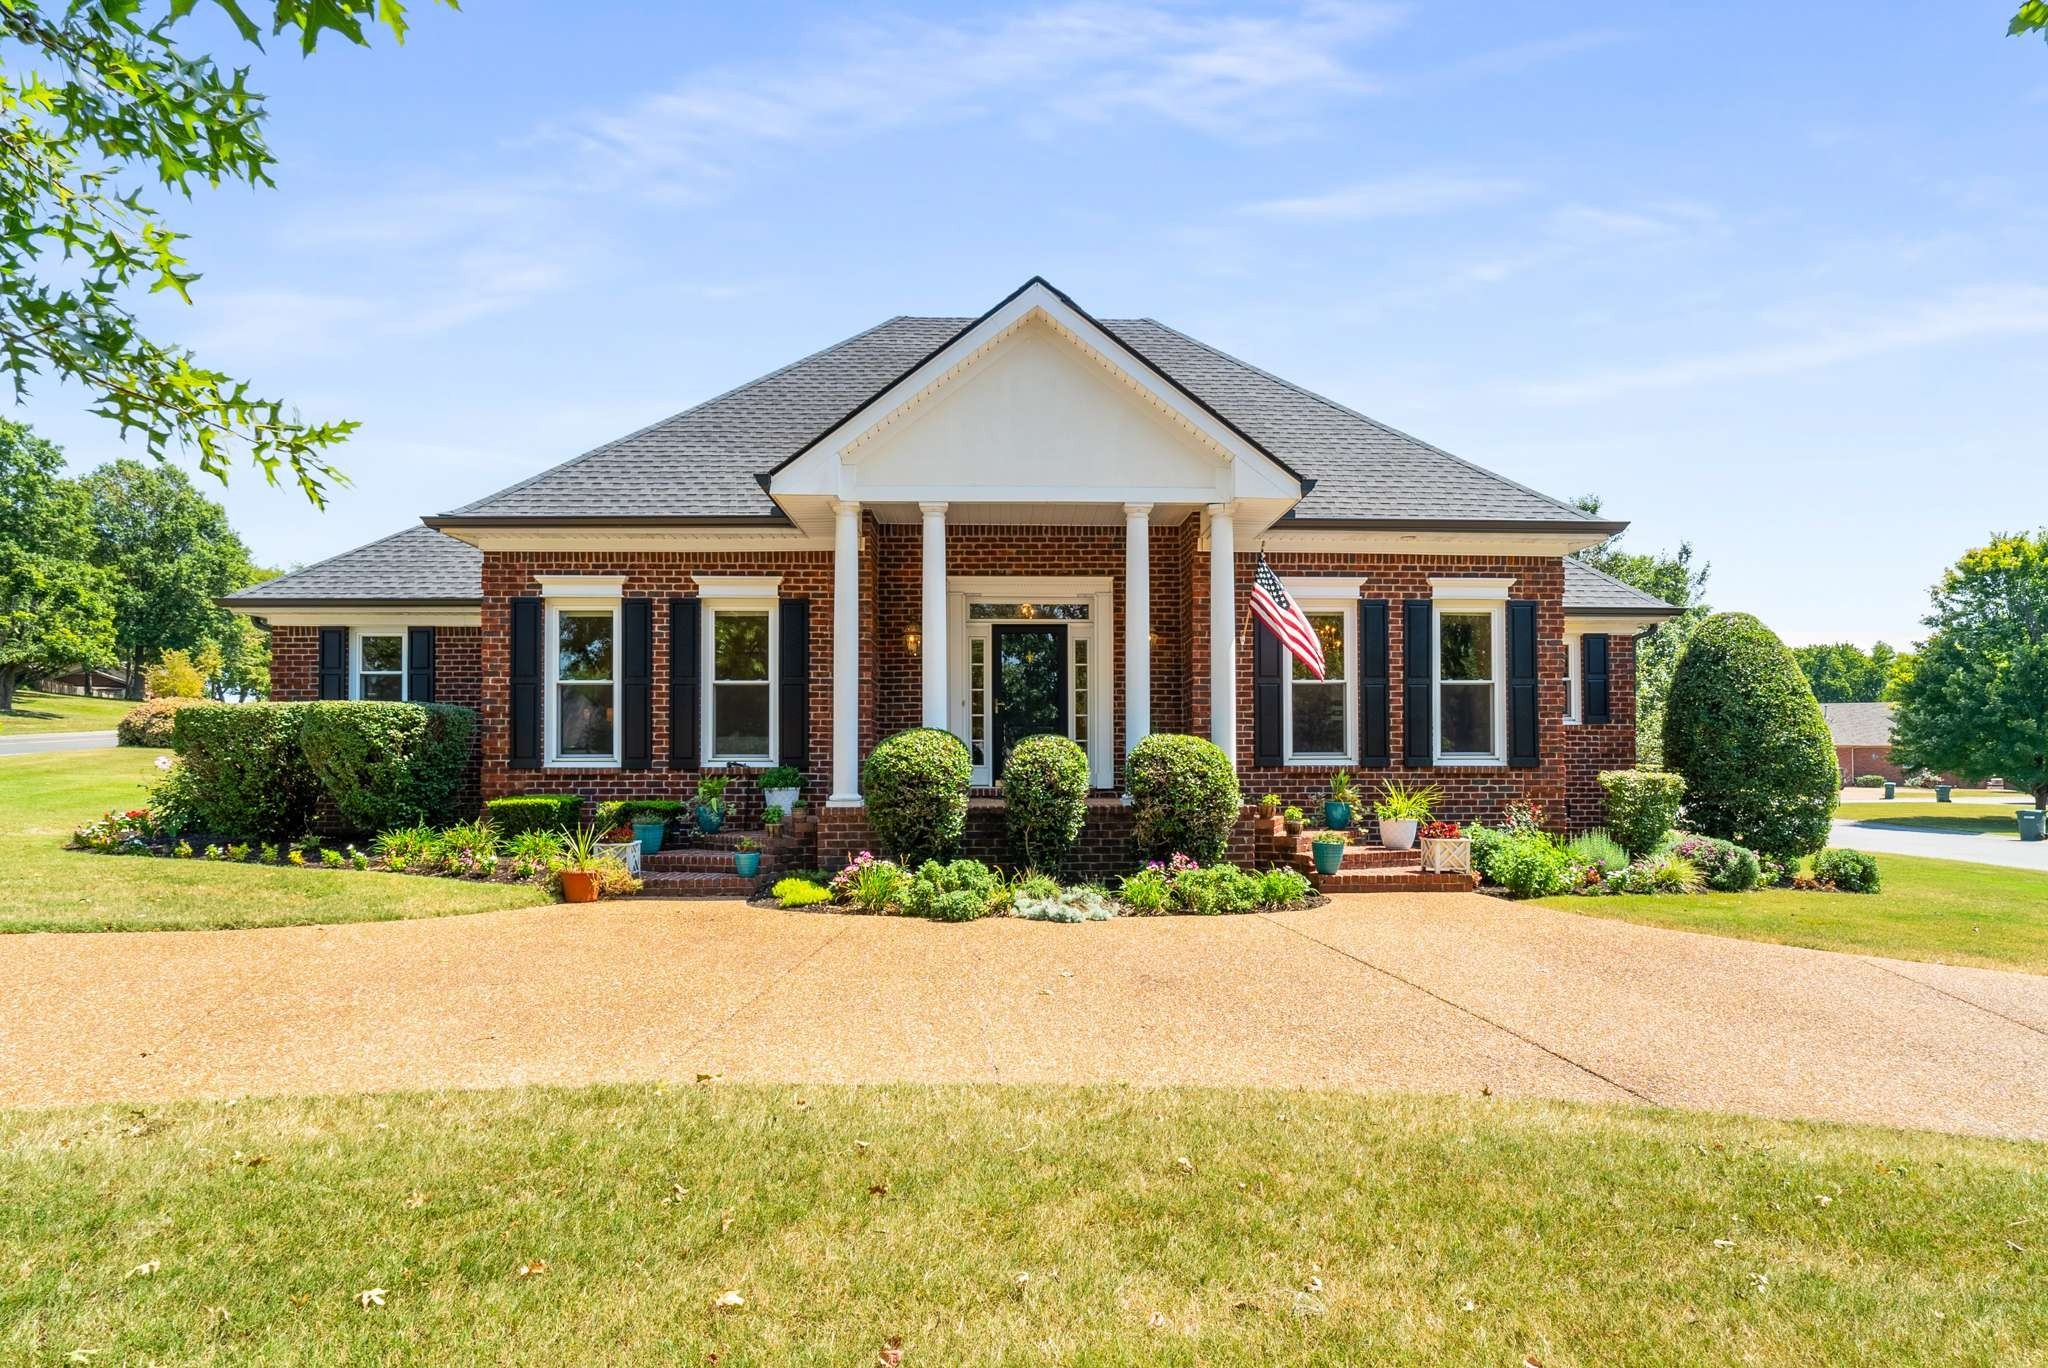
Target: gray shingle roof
[(1587, 590), (707, 463), (1859, 724), (418, 565)]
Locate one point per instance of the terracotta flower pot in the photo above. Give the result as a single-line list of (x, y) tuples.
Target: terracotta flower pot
[(579, 885)]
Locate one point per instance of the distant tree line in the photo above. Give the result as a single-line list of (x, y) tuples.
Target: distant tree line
[(1844, 673)]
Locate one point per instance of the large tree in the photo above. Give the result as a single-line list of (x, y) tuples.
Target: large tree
[(55, 607), (98, 98), (1673, 578), (1842, 672), (1976, 701), (172, 555)]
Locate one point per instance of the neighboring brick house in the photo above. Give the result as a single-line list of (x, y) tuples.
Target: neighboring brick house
[(1863, 740), (1027, 521)]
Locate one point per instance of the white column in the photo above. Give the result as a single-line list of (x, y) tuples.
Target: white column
[(1223, 630), (1137, 624), (933, 649), (845, 655)]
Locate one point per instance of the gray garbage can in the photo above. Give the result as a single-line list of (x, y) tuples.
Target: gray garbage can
[(2032, 821), (1891, 790)]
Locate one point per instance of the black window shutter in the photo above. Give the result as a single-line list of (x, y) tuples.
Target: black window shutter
[(1269, 679), (526, 703), (685, 616), (1375, 747), (1596, 706), (1418, 690), (636, 683), (793, 691), (419, 664), (1524, 724), (333, 662)]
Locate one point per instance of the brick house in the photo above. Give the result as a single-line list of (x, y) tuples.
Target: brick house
[(1029, 521)]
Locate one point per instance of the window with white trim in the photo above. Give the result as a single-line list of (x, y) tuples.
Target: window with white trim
[(379, 674), (740, 702), (1571, 677), (1320, 725), (583, 724), (1470, 655)]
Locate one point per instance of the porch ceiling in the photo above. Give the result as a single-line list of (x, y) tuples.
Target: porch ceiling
[(1065, 513)]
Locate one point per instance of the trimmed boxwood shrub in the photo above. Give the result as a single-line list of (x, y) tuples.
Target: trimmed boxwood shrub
[(1870, 781), (1641, 807), (535, 812), (650, 809), (387, 765), (149, 724), (1743, 728), (1045, 788), (249, 775), (1849, 871), (915, 783), (1184, 797)]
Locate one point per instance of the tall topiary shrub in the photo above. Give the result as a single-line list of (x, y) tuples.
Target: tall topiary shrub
[(388, 765), (1743, 728), (915, 783), (1642, 805), (1045, 788), (249, 775), (1184, 797)]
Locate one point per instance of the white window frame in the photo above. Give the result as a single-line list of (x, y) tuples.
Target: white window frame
[(1488, 596), (1573, 663), (717, 604), (355, 658), (1348, 607), (577, 595)]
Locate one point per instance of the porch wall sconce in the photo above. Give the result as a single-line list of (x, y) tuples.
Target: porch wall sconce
[(912, 640)]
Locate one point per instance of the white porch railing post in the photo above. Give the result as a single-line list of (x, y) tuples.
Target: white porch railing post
[(845, 654), (932, 649), (1223, 630), (1137, 624)]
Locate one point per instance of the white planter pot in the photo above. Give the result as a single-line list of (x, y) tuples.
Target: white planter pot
[(1452, 855), (626, 853), (782, 798), (1398, 835)]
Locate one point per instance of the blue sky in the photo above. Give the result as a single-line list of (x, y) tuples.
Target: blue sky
[(1765, 277)]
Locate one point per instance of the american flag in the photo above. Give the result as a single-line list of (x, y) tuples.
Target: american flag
[(1284, 617)]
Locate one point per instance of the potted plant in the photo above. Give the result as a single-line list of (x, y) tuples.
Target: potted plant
[(1269, 806), (580, 874), (1446, 849), (1400, 811), (1337, 809), (650, 824), (781, 785), (711, 802), (1295, 820), (746, 858), (771, 818), (1328, 849)]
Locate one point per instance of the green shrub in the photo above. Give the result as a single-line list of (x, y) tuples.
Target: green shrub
[(916, 788), (1064, 905), (934, 891), (795, 892), (1284, 888), (535, 812), (385, 764), (1743, 728), (406, 844), (1672, 874), (536, 846), (1726, 866), (1847, 871), (249, 775), (1184, 797), (149, 724), (1212, 890), (1045, 789), (1528, 864), (781, 777), (469, 848), (174, 802), (1870, 781), (1596, 857), (871, 885), (1641, 806), (1145, 891)]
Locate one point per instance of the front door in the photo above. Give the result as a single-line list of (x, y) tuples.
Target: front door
[(1030, 684)]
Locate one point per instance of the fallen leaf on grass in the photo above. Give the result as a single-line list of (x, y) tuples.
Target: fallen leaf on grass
[(1157, 1320), (415, 1200), (878, 1189), (892, 1352), (81, 1355), (373, 1297), (1724, 1244), (144, 1269), (729, 1301), (533, 1268), (1468, 1305)]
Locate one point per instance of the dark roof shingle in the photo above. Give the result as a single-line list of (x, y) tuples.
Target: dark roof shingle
[(1587, 590), (418, 565)]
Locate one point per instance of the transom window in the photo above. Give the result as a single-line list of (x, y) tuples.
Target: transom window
[(1319, 710), (1469, 691), (742, 687), (1056, 612), (380, 666), (586, 684)]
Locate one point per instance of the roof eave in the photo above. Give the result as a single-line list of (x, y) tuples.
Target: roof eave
[(447, 520), (256, 605), (1570, 525)]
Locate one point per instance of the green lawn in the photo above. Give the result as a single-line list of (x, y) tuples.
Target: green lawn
[(994, 1225), (34, 711), (44, 887), (1945, 911), (1975, 819)]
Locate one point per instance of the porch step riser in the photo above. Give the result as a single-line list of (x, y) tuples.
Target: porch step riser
[(697, 886), (1407, 881), (698, 861)]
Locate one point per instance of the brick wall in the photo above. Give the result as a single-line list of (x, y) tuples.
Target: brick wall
[(1855, 761), (1590, 748), (295, 665)]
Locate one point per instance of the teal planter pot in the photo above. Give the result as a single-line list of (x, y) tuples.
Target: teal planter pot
[(1941, 793), (746, 863), (1891, 790), (1337, 816), (1329, 856), (710, 819), (649, 835), (2033, 823)]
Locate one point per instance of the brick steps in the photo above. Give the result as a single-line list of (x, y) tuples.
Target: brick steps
[(699, 860), (696, 884), (1393, 881)]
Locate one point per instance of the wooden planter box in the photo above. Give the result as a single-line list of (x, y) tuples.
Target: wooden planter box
[(1441, 856), (626, 853)]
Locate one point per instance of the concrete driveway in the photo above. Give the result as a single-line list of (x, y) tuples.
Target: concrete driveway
[(1426, 993)]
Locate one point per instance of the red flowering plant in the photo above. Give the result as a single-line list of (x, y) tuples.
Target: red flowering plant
[(1441, 831)]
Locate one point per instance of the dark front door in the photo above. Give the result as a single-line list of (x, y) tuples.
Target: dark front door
[(1031, 684)]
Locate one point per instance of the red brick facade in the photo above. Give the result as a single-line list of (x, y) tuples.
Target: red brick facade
[(1857, 761), (1563, 782)]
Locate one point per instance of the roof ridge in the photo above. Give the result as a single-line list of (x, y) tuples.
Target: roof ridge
[(1346, 409), (680, 413), (329, 560)]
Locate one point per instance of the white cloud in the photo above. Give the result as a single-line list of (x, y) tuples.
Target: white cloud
[(1395, 197), (1964, 315)]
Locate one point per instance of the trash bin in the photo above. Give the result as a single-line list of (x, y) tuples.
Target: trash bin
[(1941, 793), (2032, 822), (1891, 790)]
